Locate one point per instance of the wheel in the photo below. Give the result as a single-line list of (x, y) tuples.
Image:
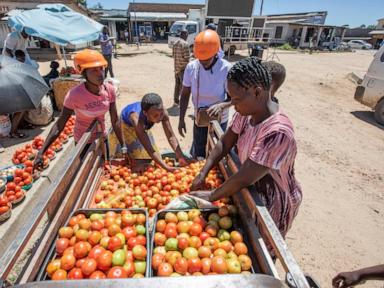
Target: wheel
[(379, 112)]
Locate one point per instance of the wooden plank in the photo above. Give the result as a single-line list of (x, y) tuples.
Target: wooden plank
[(271, 234), (48, 204)]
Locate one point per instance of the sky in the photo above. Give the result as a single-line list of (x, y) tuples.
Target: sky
[(340, 12)]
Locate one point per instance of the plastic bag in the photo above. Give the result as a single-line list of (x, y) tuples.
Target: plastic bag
[(5, 125), (189, 202), (42, 115)]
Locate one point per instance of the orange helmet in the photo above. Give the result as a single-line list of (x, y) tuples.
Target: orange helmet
[(207, 44), (88, 58)]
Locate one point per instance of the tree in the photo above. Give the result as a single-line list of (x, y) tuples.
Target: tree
[(97, 6), (371, 26), (362, 26)]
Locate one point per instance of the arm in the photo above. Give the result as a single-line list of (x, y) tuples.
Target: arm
[(348, 279), (116, 123), (144, 140), (172, 140), (221, 149), (53, 134), (249, 173), (184, 100)]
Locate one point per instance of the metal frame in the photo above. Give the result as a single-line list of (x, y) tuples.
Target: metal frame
[(256, 214)]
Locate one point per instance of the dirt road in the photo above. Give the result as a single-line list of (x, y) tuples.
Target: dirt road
[(340, 225)]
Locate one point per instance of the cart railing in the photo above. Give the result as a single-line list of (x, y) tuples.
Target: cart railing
[(258, 217), (234, 34)]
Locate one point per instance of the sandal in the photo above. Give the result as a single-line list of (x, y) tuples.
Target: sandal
[(17, 135)]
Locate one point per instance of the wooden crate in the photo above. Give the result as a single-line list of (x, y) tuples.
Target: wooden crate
[(61, 86)]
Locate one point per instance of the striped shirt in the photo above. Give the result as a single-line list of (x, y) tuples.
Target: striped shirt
[(180, 55), (271, 143)]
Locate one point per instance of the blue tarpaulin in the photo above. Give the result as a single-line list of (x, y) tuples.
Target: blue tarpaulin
[(56, 23)]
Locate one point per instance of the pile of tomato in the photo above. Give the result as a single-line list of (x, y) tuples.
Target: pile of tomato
[(186, 243), (152, 189), (110, 245)]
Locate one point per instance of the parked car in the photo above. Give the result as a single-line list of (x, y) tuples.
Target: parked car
[(371, 90), (359, 44)]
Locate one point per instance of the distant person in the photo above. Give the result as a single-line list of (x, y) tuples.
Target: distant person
[(278, 74), (15, 41), (107, 49), (353, 278), (181, 55), (212, 26), (126, 36), (53, 74), (137, 119)]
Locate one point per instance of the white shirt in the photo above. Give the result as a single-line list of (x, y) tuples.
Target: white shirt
[(213, 84), (15, 41)]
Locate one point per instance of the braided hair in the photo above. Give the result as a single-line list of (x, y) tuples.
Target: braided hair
[(150, 100), (249, 72), (277, 71)]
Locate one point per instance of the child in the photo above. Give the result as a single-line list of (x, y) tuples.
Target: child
[(277, 72), (137, 120), (53, 74)]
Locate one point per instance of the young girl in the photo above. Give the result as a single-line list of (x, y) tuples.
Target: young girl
[(137, 120), (266, 146)]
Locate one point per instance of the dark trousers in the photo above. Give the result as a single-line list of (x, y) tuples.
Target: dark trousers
[(178, 86), (109, 68), (200, 137)]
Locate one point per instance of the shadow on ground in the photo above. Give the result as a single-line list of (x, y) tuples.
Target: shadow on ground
[(368, 117)]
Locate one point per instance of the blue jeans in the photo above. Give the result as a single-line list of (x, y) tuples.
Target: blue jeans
[(200, 137)]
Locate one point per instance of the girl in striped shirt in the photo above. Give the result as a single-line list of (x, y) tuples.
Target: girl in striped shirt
[(266, 145)]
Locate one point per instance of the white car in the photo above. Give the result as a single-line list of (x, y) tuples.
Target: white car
[(359, 44)]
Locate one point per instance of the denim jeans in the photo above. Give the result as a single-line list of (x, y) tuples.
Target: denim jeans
[(200, 137), (109, 68)]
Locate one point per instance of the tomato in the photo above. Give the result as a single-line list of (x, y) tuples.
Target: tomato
[(161, 225), (75, 274), (219, 265), (195, 229), (4, 209), (59, 274), (117, 272), (129, 232), (113, 229), (97, 275), (80, 250), (3, 201), (67, 262), (170, 232), (164, 269), (73, 221), (160, 239), (141, 240), (80, 262), (157, 259), (89, 266), (85, 224), (206, 265), (61, 244), (11, 186), (66, 232), (94, 237), (96, 252), (240, 248), (140, 219), (52, 267), (82, 235), (181, 266), (114, 243), (194, 265), (132, 242), (19, 172), (104, 261), (236, 237)]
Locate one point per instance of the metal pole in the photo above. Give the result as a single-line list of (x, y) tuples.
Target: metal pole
[(261, 7), (137, 31), (65, 57)]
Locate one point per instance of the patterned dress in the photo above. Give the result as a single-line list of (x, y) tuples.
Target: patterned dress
[(271, 143)]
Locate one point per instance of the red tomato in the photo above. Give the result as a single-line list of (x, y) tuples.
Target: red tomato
[(157, 259), (61, 245), (164, 269), (194, 265), (97, 275), (89, 266), (96, 252), (117, 272), (104, 261), (75, 273)]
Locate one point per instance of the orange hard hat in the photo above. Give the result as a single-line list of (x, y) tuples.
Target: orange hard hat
[(207, 44), (88, 58)]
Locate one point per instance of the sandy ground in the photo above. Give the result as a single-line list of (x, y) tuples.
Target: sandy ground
[(340, 225)]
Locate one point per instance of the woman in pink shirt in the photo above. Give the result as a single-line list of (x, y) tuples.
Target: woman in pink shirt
[(266, 146), (89, 101)]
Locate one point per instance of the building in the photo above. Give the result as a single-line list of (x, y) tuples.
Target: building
[(358, 34), (9, 8), (115, 19), (304, 30), (378, 34), (153, 20)]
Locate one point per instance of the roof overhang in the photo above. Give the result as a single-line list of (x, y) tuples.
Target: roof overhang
[(157, 16)]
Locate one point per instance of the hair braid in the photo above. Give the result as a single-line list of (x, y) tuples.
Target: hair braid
[(250, 72)]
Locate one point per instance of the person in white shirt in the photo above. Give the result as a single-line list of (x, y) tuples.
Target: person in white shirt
[(15, 41), (206, 79)]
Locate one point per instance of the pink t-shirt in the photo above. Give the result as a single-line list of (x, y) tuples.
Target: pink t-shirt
[(88, 107)]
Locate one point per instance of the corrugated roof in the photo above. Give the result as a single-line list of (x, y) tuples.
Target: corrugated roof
[(153, 16)]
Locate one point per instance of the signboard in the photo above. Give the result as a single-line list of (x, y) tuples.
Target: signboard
[(230, 8)]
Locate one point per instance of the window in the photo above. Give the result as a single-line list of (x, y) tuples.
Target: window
[(191, 28), (278, 32)]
